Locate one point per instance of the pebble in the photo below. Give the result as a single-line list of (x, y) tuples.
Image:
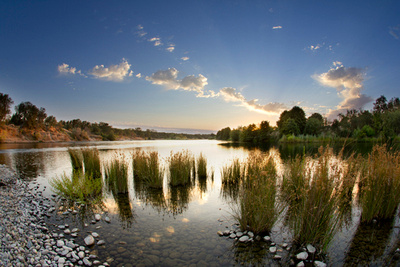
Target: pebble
[(302, 256)]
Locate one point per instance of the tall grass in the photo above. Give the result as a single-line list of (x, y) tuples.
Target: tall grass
[(380, 187), (146, 168), (91, 161), (80, 187), (202, 167), (116, 175), (232, 176), (313, 217), (181, 166), (258, 208), (76, 159)]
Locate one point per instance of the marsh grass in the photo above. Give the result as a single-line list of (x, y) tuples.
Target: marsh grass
[(181, 166), (116, 176), (232, 176), (313, 217), (76, 159), (80, 187), (91, 161), (380, 186), (257, 206), (147, 170), (202, 167), (295, 181)]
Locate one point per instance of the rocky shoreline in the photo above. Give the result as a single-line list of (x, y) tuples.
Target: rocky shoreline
[(26, 239)]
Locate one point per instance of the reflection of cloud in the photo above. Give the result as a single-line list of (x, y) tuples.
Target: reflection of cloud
[(230, 94), (155, 238), (116, 73), (395, 31), (277, 27), (349, 85), (185, 220), (170, 229), (66, 69)]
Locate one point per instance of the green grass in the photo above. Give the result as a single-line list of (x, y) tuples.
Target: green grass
[(232, 176), (91, 161), (80, 187), (380, 186), (116, 175), (76, 158), (201, 167), (146, 169), (181, 166), (257, 207)]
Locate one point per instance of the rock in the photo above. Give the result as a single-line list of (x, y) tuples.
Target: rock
[(267, 238), (233, 235), (277, 257), (107, 219), (250, 234), (302, 256), (220, 233), (67, 231), (74, 230), (244, 238), (60, 243), (101, 242), (239, 234), (319, 264), (227, 232), (87, 262), (81, 254), (89, 240), (95, 235), (272, 249), (97, 217), (284, 245), (300, 264), (311, 249)]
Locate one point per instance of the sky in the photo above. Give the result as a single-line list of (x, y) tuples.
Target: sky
[(198, 66)]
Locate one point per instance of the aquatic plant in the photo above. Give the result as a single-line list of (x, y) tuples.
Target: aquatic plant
[(116, 176), (257, 209), (201, 167), (146, 169), (181, 165), (80, 187), (91, 161), (76, 159), (232, 174), (380, 186)]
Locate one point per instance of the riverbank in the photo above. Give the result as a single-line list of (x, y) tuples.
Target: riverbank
[(26, 239)]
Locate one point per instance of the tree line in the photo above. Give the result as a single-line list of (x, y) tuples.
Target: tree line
[(28, 116), (381, 123)]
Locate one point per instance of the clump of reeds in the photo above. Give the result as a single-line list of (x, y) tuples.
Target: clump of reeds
[(313, 217), (181, 165), (201, 167), (76, 158), (257, 208), (91, 161), (380, 186), (146, 169), (232, 174), (116, 175), (295, 181), (81, 187)]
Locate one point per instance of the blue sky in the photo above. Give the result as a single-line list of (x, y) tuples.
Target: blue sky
[(198, 64)]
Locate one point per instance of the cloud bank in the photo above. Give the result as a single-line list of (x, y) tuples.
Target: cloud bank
[(349, 85), (115, 73), (169, 79)]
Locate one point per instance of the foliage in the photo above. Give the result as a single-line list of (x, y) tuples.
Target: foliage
[(146, 169), (224, 134), (201, 166), (181, 166), (76, 158), (5, 106), (116, 175), (29, 116), (91, 161)]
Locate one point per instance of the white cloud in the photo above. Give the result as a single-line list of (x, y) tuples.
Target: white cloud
[(139, 27), (156, 40), (170, 48), (116, 73), (185, 58), (315, 47), (66, 69), (230, 94), (349, 85), (277, 27), (168, 78), (139, 75), (395, 31)]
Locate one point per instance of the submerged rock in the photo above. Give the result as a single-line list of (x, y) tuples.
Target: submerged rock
[(302, 256), (319, 264), (97, 217), (272, 249), (89, 240), (244, 238), (311, 249)]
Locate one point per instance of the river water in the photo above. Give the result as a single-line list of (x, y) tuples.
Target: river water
[(179, 228)]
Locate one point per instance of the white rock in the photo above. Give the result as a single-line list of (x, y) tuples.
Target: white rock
[(81, 254), (311, 249), (250, 234), (239, 234), (87, 262), (232, 235), (267, 238), (97, 217), (272, 249), (244, 238), (300, 264), (319, 264), (95, 235), (107, 219), (277, 257), (101, 242), (60, 243), (220, 233), (302, 256), (74, 230), (89, 240)]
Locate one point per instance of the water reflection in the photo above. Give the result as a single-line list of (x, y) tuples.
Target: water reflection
[(178, 198)]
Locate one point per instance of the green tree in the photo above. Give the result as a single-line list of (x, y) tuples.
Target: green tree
[(224, 134), (235, 134), (313, 126), (264, 132), (5, 106), (248, 134), (29, 116), (297, 114), (290, 127)]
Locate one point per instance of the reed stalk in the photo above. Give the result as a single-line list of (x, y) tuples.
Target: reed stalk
[(116, 175), (146, 168), (91, 161), (181, 165), (202, 167), (76, 158)]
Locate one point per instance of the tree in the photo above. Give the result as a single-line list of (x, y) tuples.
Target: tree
[(5, 106), (290, 127), (380, 104), (264, 132), (29, 116), (224, 134), (313, 126), (50, 121), (248, 134), (235, 134), (297, 114)]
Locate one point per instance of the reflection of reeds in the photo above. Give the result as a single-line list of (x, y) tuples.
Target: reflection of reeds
[(232, 176), (116, 175), (380, 186), (91, 161), (80, 187), (179, 197), (76, 158), (181, 166), (146, 168), (257, 207)]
